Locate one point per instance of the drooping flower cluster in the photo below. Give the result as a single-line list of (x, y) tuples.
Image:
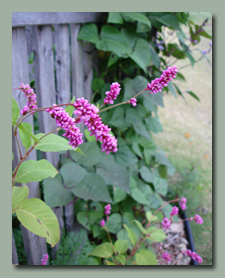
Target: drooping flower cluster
[(63, 120), (166, 223), (87, 113), (44, 260), (182, 203), (174, 211), (113, 93), (166, 256), (133, 101), (157, 84), (198, 219), (31, 98), (193, 255)]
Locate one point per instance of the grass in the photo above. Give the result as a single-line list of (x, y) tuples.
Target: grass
[(192, 156)]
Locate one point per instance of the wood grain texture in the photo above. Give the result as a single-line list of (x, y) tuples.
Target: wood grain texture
[(14, 253), (20, 74), (48, 18)]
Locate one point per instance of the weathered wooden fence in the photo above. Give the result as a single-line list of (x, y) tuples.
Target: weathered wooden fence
[(63, 75)]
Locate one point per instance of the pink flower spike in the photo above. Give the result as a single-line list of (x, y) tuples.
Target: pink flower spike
[(113, 93), (44, 260), (166, 223), (182, 203), (133, 101), (166, 256), (198, 219), (31, 98), (174, 211), (102, 223)]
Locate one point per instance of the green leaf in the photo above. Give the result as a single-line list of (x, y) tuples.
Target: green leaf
[(118, 195), (89, 32), (31, 58), (113, 58), (33, 170), (124, 155), (154, 55), (113, 173), (19, 194), (160, 185), (88, 137), (171, 89), (162, 169), (141, 54), (117, 119), (24, 130), (92, 187), (52, 143), (93, 154), (97, 84), (157, 234), (15, 110), (180, 77), (140, 226), (121, 246), (121, 259), (55, 194), (149, 216), (145, 257), (131, 235), (70, 108), (115, 17), (103, 250), (140, 129), (72, 174), (139, 196), (146, 174), (155, 99), (193, 95), (142, 28), (136, 149), (170, 21), (110, 263), (114, 223), (154, 124), (131, 17), (39, 219), (88, 219), (28, 130)]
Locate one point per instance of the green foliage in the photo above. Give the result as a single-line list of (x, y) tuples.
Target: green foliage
[(74, 249)]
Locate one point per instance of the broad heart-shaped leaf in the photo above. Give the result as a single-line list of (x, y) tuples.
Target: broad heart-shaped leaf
[(39, 219), (72, 174), (121, 246), (131, 235), (140, 128), (114, 223), (118, 194), (139, 196), (121, 259), (115, 17), (160, 185), (15, 110), (24, 136), (131, 17), (92, 152), (117, 119), (124, 156), (89, 32), (103, 250), (32, 170), (149, 216), (52, 143), (19, 194), (92, 187), (157, 234), (145, 257), (154, 124), (113, 173), (146, 174), (141, 54), (26, 128), (55, 194), (170, 21), (88, 219)]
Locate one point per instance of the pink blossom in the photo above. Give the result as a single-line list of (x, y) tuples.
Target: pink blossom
[(87, 113), (182, 203), (133, 101), (193, 255), (174, 211), (166, 256), (31, 98), (158, 84), (107, 209), (166, 223), (44, 260), (198, 219), (102, 223), (113, 93)]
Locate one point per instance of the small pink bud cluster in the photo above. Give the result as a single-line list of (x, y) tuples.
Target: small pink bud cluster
[(64, 121), (113, 93), (198, 219), (31, 102), (107, 212), (157, 84), (182, 203), (166, 223), (133, 101), (193, 255), (166, 256), (87, 113), (174, 211), (44, 260), (108, 209)]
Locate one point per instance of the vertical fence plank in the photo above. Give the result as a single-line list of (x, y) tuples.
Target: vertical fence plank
[(62, 64), (35, 246), (14, 253), (46, 94)]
